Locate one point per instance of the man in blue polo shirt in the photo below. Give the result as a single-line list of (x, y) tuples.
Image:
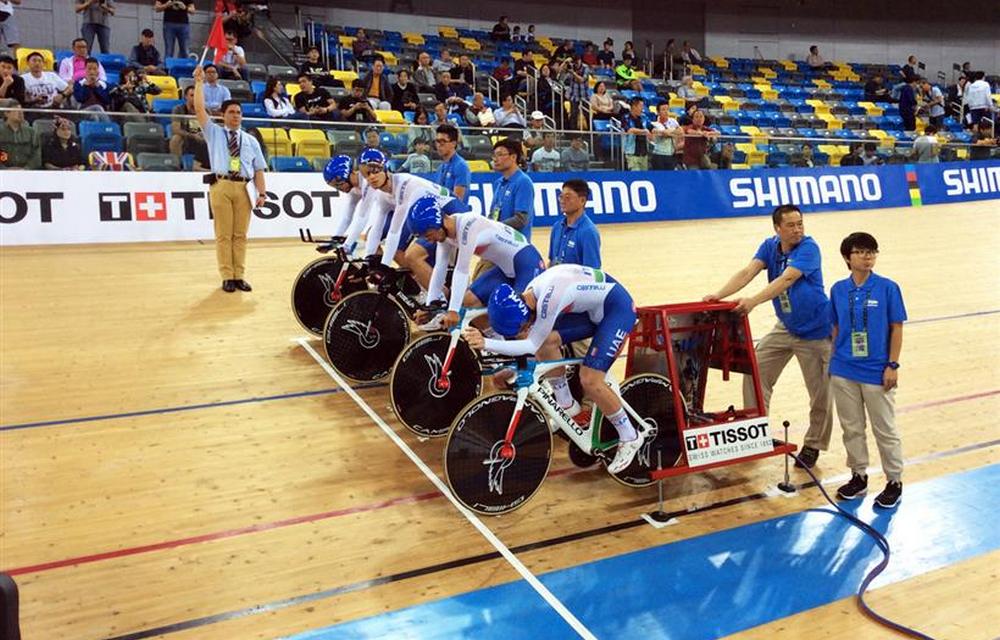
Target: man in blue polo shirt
[(513, 193), (453, 174), (868, 315), (795, 284), (574, 239)]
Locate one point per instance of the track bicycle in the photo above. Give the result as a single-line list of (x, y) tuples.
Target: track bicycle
[(324, 282)]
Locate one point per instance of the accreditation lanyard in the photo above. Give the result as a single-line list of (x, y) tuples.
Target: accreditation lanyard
[(503, 195), (784, 301), (564, 240), (234, 161), (859, 339)]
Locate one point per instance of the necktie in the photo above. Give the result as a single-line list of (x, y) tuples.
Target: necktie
[(234, 145)]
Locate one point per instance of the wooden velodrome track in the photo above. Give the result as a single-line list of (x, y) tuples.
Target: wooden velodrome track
[(177, 511)]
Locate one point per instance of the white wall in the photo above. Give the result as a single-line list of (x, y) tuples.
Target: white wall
[(878, 31)]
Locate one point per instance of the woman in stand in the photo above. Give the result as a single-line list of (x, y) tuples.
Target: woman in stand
[(275, 101)]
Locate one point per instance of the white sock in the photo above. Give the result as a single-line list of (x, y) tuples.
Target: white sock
[(561, 389), (623, 425)]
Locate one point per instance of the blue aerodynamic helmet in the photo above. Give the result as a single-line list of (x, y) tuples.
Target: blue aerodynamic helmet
[(338, 168), (425, 214), (507, 311), (372, 156)]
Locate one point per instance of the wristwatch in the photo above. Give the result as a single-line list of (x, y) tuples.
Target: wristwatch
[(892, 365)]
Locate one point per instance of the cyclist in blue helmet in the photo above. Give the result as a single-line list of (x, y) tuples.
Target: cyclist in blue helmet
[(564, 304), (515, 261), (340, 174)]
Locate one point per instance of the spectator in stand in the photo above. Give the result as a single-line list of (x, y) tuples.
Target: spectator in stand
[(373, 139), (424, 76), (525, 70), (576, 78), (233, 64), (176, 25), (515, 35), (501, 31), (96, 14), (926, 147), (724, 158), (625, 77), (504, 75), (20, 142), (404, 93), (602, 107), (474, 112), (606, 57), (686, 90), (871, 156), (529, 37), (589, 56), (421, 129), (62, 150), (547, 157), (186, 134), (814, 59), (574, 238), (689, 54), (276, 102), (43, 89), (8, 25), (542, 88), (635, 146), (562, 53), (240, 23), (364, 50), (74, 67), (449, 91), (933, 103), (464, 72), (317, 71), (804, 158), (215, 93), (444, 64), (314, 103), (628, 50), (440, 114), (978, 98), (966, 71), (355, 107), (983, 141), (853, 159), (875, 90), (11, 84), (956, 94), (129, 95), (146, 56), (909, 70), (508, 116), (908, 104), (575, 156), (697, 137), (418, 161), (92, 93), (377, 88), (666, 138), (534, 134)]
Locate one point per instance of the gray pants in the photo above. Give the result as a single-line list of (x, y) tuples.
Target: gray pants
[(773, 353), (852, 399)]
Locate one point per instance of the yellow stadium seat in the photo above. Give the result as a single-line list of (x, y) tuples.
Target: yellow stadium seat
[(313, 149), (962, 153), (388, 56), (740, 165), (479, 166), (448, 32), (347, 77), (346, 41), (167, 85), (789, 65), (678, 103), (276, 141), (756, 158), (722, 63), (306, 135), (746, 147), (470, 43), (870, 108), (697, 70), (731, 106), (23, 52), (397, 123), (413, 38), (292, 88), (769, 94)]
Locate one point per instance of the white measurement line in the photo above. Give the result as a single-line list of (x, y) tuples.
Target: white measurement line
[(518, 566)]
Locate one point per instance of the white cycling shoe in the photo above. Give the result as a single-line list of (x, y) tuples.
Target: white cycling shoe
[(625, 454), (434, 324)]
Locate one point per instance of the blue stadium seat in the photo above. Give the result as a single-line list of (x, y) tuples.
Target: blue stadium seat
[(112, 62), (821, 159), (180, 67), (253, 110), (258, 86), (290, 164), (100, 136)]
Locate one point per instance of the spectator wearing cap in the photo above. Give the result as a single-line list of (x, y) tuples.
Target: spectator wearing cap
[(19, 141), (74, 67), (11, 84), (62, 150), (215, 92), (44, 89), (145, 54), (533, 135), (377, 88), (96, 16)]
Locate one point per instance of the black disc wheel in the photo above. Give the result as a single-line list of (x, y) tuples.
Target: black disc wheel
[(483, 475), (579, 458), (651, 396), (425, 402), (364, 334), (314, 294)]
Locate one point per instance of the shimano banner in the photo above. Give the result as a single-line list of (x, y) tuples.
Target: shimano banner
[(958, 181)]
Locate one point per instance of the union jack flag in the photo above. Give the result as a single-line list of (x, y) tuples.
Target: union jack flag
[(111, 161)]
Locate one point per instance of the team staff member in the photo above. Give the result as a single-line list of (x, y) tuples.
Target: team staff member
[(868, 316), (792, 260), (513, 193), (235, 159), (574, 239)]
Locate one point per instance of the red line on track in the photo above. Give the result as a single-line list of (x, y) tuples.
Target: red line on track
[(326, 515)]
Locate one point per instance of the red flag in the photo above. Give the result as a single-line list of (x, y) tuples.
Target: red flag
[(217, 38)]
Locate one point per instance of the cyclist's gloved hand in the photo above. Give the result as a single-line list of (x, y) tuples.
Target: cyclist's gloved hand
[(334, 243)]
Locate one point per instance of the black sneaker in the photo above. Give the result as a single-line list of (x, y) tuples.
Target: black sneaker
[(807, 458), (857, 487), (890, 496), (242, 285)]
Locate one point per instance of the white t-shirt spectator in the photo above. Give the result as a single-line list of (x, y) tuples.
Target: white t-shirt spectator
[(977, 95), (232, 56), (280, 108), (544, 160), (664, 145), (43, 88)]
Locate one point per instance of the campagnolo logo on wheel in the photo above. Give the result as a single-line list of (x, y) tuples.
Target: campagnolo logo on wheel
[(368, 336), (435, 365), (329, 288), (726, 441), (495, 467)]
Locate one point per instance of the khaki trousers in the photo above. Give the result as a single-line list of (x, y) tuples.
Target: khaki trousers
[(231, 210), (773, 353), (852, 399)]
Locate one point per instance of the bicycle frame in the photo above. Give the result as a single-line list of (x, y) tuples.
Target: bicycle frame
[(528, 385)]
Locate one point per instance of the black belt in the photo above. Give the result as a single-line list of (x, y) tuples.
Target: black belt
[(233, 178)]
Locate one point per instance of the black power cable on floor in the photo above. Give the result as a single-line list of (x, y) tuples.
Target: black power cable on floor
[(883, 544)]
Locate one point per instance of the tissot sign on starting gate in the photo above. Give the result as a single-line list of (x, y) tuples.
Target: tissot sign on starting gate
[(49, 207)]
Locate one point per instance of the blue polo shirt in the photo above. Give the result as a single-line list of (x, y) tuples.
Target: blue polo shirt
[(809, 317), (513, 194), (883, 301), (455, 173), (578, 243)]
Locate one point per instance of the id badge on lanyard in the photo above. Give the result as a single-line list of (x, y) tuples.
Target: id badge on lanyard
[(859, 344), (234, 165), (785, 302)]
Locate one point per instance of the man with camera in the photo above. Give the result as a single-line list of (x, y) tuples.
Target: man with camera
[(96, 16)]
